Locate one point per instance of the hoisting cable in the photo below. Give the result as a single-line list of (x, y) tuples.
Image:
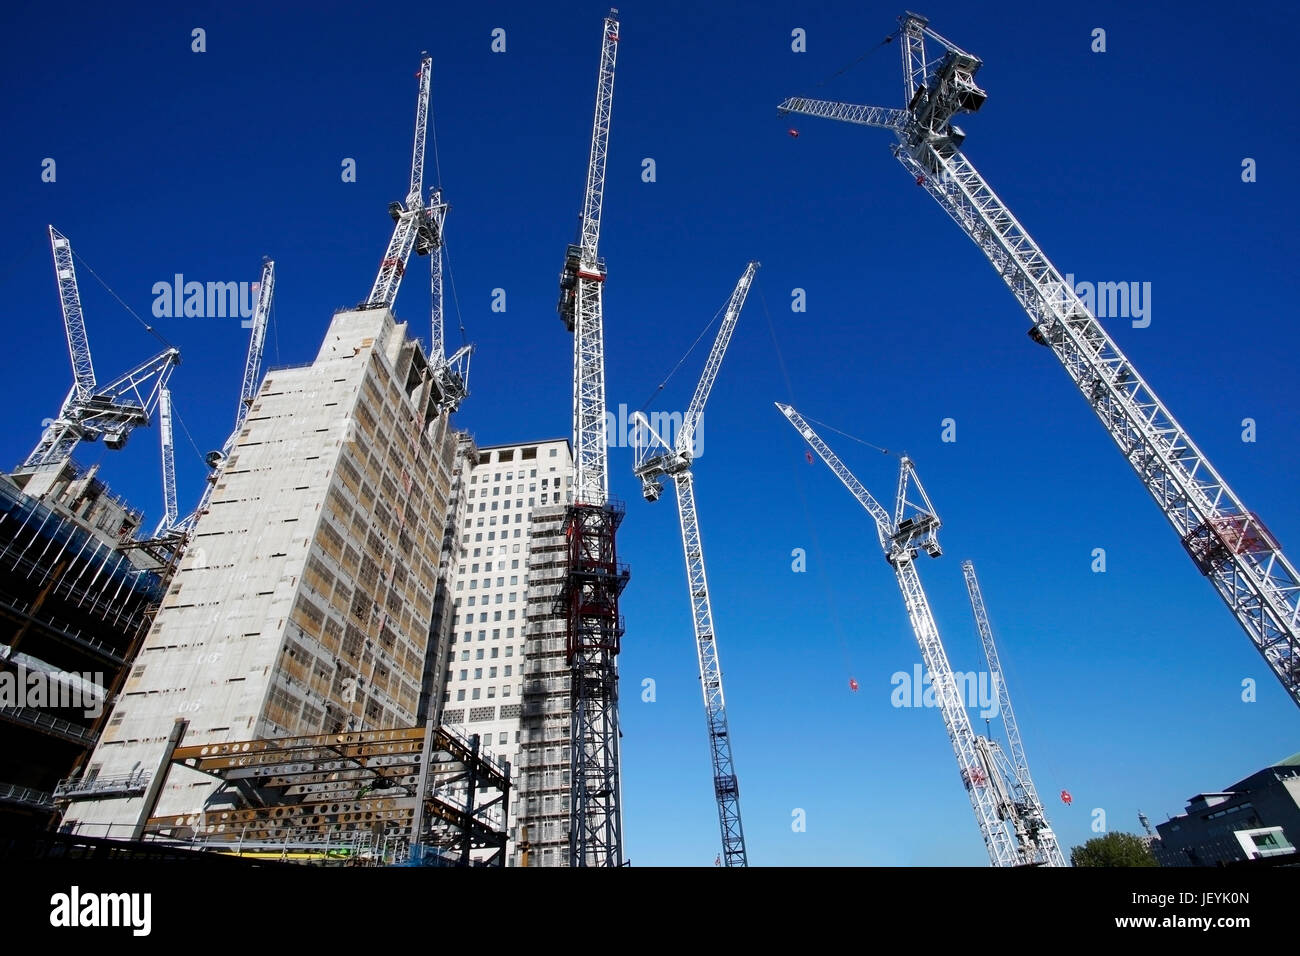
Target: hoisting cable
[(148, 328), (845, 69), (803, 497)]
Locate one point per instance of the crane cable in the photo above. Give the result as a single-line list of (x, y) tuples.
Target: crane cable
[(681, 361), (845, 69), (147, 327), (831, 606)]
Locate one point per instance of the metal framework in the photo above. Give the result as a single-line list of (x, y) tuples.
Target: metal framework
[(310, 798), (675, 461), (1228, 542), (903, 535), (1034, 836), (91, 410), (412, 223), (595, 579)]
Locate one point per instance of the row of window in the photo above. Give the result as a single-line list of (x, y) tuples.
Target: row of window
[(495, 652), (468, 636)]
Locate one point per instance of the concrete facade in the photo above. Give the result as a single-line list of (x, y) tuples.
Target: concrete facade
[(304, 603)]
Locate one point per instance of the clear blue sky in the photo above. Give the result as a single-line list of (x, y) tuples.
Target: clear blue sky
[(1124, 165)]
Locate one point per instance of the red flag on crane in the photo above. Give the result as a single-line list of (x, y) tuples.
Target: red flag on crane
[(794, 133), (853, 684), (1066, 798)]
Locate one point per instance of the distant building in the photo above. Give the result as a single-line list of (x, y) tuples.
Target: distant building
[(506, 676), (304, 602), (1255, 818), (74, 606)]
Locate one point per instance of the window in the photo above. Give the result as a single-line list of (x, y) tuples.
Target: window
[(478, 673), (478, 655), (501, 582), (496, 633), (460, 695), (514, 579), (464, 655), (514, 564), (492, 692), (511, 614), (464, 674), (475, 695), (501, 739), (492, 672), (510, 632), (509, 667), (554, 452), (496, 615), (510, 652), (495, 650), (482, 635)]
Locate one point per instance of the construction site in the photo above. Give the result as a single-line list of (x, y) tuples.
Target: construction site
[(372, 637)]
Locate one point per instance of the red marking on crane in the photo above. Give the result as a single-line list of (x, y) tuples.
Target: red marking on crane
[(920, 180), (612, 36), (853, 684), (793, 132), (1066, 798), (593, 276)]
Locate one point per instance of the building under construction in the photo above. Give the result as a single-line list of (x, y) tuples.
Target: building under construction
[(304, 602), (74, 608)]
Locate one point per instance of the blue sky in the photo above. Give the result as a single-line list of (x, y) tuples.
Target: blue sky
[(1125, 166)]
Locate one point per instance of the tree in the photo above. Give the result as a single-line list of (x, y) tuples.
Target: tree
[(1113, 849)]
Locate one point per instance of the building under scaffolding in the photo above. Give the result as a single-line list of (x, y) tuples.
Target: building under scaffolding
[(380, 797), (73, 610)]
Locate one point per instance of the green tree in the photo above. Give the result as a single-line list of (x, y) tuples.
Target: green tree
[(1113, 849)]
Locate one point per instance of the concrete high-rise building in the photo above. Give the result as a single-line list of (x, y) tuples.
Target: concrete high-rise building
[(506, 677), (304, 603), (1253, 819)]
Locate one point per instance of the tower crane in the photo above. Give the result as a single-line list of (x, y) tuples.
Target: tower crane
[(912, 528), (247, 391), (450, 373), (594, 579), (655, 458), (1227, 542), (170, 508), (92, 410), (413, 224), (1031, 818)]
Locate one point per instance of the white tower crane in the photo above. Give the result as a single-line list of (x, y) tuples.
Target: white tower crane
[(595, 578), (170, 507), (450, 373), (1228, 542), (92, 410), (912, 528), (1029, 816), (412, 222), (656, 458), (247, 392)]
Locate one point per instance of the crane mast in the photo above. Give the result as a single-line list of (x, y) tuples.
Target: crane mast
[(595, 578), (247, 391), (1227, 542), (675, 461), (170, 508), (1035, 837), (412, 225), (911, 529), (450, 374)]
